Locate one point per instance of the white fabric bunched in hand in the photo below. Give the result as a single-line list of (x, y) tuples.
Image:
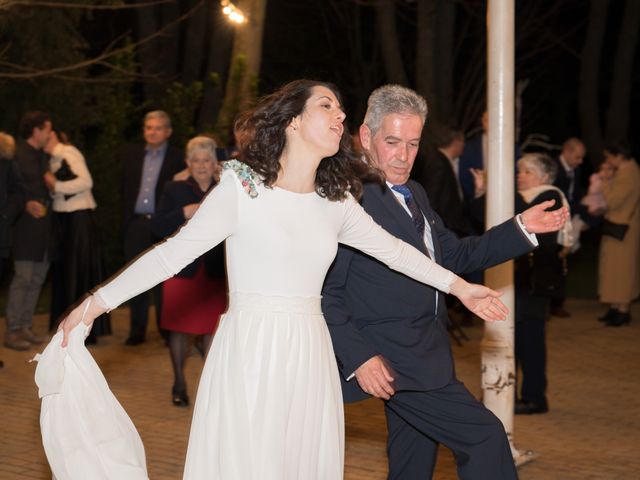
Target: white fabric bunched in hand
[(85, 431)]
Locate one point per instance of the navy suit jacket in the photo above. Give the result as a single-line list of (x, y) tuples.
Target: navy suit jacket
[(441, 184), (563, 182), (132, 163), (373, 310)]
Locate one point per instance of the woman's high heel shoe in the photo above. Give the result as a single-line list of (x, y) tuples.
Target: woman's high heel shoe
[(180, 398), (619, 320)]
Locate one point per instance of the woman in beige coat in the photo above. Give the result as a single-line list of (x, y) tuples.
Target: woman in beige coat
[(619, 275)]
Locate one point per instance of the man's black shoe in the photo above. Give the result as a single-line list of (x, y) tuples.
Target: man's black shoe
[(133, 341), (528, 408)]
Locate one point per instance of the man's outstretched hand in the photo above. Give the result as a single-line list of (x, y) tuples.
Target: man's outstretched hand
[(536, 220)]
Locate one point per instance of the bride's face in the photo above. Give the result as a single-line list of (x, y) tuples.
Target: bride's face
[(320, 125)]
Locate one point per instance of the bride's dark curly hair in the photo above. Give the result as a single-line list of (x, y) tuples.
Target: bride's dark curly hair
[(260, 135)]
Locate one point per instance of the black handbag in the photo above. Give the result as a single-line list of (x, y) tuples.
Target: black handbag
[(64, 174), (615, 230)]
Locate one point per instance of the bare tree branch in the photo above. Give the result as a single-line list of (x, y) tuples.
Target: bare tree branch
[(6, 4), (27, 72)]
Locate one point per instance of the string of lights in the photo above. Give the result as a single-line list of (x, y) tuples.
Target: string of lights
[(233, 13)]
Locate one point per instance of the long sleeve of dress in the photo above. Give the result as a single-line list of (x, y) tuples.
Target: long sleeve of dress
[(215, 220), (360, 231)]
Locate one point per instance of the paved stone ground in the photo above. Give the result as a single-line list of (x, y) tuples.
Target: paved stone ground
[(591, 432)]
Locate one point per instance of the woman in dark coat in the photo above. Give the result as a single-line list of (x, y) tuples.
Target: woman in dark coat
[(193, 300), (538, 278)]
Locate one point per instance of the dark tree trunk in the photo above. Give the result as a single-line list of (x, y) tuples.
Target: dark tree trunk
[(620, 100), (148, 53), (386, 23), (195, 43), (219, 38), (425, 57), (170, 41), (445, 58), (589, 71), (245, 63)]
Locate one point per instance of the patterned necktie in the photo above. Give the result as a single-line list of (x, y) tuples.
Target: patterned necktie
[(416, 214)]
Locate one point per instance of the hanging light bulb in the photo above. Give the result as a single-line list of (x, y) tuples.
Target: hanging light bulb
[(233, 13)]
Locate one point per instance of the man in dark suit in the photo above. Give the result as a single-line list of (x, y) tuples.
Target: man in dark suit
[(11, 197), (145, 171), (440, 180), (32, 232), (390, 332), (569, 180), (473, 156)]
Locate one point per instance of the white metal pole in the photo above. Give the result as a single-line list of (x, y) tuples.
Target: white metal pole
[(498, 363)]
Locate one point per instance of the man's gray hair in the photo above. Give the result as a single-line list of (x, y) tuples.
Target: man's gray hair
[(160, 115), (201, 144), (542, 163), (390, 99)]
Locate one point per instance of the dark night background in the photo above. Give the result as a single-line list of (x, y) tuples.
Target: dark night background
[(569, 52)]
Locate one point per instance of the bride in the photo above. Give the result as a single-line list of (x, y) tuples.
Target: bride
[(269, 404)]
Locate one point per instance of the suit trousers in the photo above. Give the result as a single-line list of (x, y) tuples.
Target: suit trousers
[(531, 347), (417, 421), (24, 291), (137, 239)]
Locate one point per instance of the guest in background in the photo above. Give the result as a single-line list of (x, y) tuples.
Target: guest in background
[(538, 276), (145, 171), (33, 239), (594, 200), (619, 272), (77, 265), (193, 300), (440, 180), (569, 180), (11, 196), (474, 156)]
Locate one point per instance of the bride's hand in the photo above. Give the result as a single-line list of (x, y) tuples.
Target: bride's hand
[(88, 308), (481, 300)]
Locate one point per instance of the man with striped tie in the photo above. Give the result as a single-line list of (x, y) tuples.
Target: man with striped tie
[(390, 332)]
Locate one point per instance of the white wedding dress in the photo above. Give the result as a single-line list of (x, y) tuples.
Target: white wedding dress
[(269, 404)]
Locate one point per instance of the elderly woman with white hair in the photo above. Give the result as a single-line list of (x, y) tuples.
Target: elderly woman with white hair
[(538, 277), (194, 299)]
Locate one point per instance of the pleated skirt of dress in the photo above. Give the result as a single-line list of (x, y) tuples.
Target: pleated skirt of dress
[(269, 403)]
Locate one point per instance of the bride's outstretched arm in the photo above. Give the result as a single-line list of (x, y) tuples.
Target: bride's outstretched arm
[(214, 221), (360, 231)]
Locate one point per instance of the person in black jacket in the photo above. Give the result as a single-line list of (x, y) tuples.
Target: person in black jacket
[(193, 300), (11, 196), (538, 278), (145, 171), (33, 239)]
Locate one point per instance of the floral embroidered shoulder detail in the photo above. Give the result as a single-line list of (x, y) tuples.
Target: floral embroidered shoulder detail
[(248, 177)]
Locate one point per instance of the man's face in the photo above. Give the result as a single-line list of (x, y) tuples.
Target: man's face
[(457, 146), (573, 155), (41, 135), (393, 148), (156, 132)]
